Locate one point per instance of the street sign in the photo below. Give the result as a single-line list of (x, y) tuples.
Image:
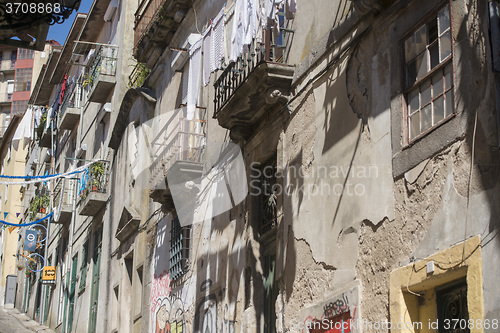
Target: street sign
[(49, 274), (30, 240)]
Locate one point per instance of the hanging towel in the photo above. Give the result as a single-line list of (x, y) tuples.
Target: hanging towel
[(207, 54), (240, 20), (244, 27), (217, 55), (251, 29), (194, 78), (23, 130)]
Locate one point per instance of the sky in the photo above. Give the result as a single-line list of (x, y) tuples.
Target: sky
[(59, 32)]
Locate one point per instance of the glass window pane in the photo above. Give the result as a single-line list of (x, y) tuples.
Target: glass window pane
[(422, 65), (425, 93), (448, 77), (411, 70), (434, 52), (445, 45), (426, 114), (421, 39), (413, 100), (437, 84), (433, 30), (414, 125), (443, 20), (438, 110), (410, 49), (449, 103)]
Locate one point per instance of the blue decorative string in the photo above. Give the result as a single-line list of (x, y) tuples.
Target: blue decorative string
[(42, 177), (27, 224)]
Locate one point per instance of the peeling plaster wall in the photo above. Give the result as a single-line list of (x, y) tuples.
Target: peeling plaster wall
[(356, 203)]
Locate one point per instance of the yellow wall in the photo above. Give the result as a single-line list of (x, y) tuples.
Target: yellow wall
[(412, 290), (13, 166)]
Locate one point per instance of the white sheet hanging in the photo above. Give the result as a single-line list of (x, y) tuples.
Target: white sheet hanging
[(193, 78), (23, 130), (217, 55), (207, 54)]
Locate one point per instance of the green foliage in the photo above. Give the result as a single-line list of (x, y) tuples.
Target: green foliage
[(139, 75), (97, 174), (40, 201)]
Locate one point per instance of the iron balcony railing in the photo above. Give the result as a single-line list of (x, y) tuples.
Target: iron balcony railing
[(69, 99), (273, 49), (144, 16), (66, 196), (95, 179), (104, 62), (138, 75), (186, 142)]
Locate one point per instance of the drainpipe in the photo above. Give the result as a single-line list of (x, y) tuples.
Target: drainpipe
[(495, 51), (47, 239), (69, 263)]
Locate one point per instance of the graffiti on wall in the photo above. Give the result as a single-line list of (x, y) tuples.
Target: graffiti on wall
[(167, 308), (207, 318), (169, 316), (336, 307)]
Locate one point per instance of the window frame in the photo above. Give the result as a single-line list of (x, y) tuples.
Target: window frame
[(406, 89), (179, 259)]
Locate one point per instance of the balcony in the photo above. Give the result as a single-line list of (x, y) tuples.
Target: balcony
[(69, 114), (66, 196), (178, 155), (45, 138), (156, 22), (257, 84), (101, 76), (94, 187)]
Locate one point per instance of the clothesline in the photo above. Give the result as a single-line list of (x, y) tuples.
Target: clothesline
[(39, 179)]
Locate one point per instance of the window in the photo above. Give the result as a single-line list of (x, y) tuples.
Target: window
[(83, 267), (23, 79), (18, 107), (1, 58), (25, 54), (452, 306), (429, 75), (13, 57), (179, 249), (10, 89)]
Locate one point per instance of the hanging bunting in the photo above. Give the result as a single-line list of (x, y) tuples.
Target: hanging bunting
[(17, 214), (5, 215)]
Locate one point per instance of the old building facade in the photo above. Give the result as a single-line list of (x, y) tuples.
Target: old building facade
[(272, 167)]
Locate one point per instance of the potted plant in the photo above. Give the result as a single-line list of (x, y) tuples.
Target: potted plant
[(39, 204), (97, 176)]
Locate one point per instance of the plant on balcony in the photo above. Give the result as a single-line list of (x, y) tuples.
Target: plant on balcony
[(139, 75), (41, 126), (88, 80), (39, 204), (97, 176)]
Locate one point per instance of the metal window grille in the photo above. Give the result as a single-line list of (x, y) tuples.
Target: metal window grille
[(268, 198), (179, 249), (452, 308)]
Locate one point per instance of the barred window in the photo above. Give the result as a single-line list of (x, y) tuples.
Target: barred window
[(18, 107), (25, 54), (429, 75), (179, 249), (23, 79)]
